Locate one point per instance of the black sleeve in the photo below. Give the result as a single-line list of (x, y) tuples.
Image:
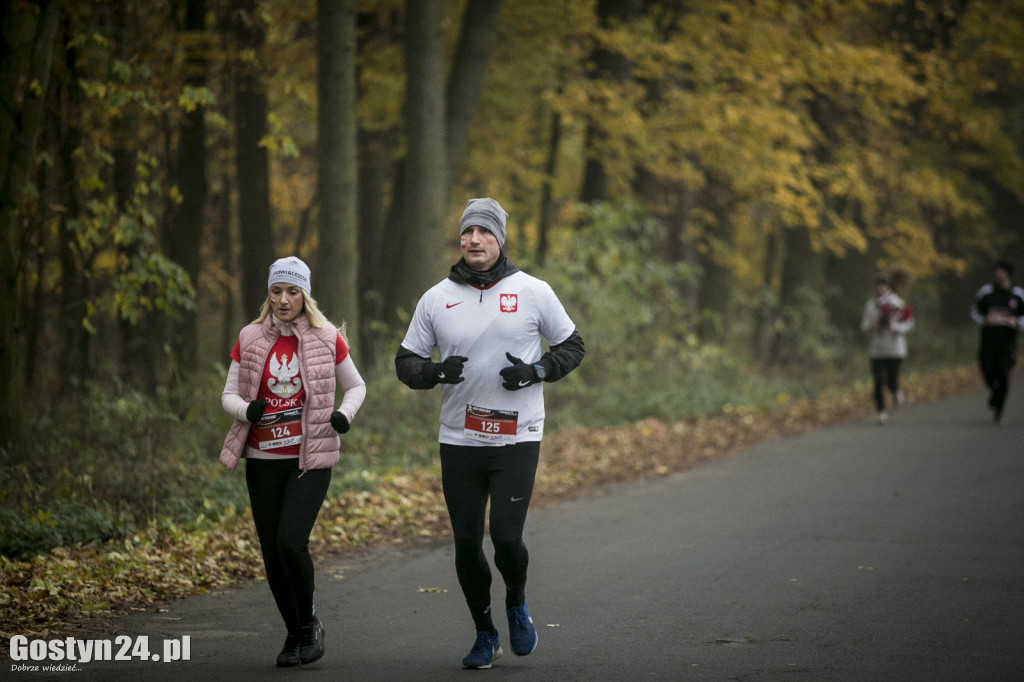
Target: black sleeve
[(409, 365), (563, 357)]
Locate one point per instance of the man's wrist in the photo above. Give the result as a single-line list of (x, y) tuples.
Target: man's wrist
[(428, 372)]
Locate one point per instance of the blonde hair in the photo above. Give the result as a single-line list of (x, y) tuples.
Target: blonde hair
[(316, 318)]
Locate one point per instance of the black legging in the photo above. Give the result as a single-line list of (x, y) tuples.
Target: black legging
[(505, 474), (996, 362), (284, 508), (886, 373)]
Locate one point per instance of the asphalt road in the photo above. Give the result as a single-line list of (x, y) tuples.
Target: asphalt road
[(856, 552)]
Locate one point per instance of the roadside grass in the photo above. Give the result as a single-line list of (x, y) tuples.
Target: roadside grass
[(78, 588)]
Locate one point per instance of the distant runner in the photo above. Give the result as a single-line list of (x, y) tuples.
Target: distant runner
[(888, 318), (999, 309)]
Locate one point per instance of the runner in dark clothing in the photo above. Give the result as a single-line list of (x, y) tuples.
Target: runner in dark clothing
[(999, 310)]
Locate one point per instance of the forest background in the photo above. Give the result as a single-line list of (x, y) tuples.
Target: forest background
[(710, 187)]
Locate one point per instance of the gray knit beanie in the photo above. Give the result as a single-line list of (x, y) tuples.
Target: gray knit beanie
[(290, 270), (485, 213)]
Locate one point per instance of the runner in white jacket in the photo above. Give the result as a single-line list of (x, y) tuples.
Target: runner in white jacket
[(888, 318)]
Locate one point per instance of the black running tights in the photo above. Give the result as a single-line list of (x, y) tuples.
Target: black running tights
[(285, 505), (886, 373), (996, 363), (471, 475)]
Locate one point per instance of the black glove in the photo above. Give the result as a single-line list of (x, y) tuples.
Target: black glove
[(339, 422), (448, 371), (255, 410), (518, 375)]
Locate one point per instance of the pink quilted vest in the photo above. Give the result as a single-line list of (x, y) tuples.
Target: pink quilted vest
[(317, 347)]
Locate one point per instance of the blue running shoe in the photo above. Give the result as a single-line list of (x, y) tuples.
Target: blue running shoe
[(485, 651), (521, 633)]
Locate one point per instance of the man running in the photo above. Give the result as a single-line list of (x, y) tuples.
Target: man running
[(999, 309), (487, 321)]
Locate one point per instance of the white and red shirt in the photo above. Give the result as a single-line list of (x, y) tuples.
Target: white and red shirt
[(513, 315), (279, 432), (890, 318)]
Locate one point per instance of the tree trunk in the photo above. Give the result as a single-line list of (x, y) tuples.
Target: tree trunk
[(73, 359), (716, 288), (595, 178), (436, 132), (418, 206), (374, 172), (135, 337), (34, 302), (20, 122), (337, 264), (136, 340), (761, 336), (802, 272), (251, 163), (466, 78), (851, 282), (718, 281), (681, 247), (547, 208), (613, 67), (183, 245), (223, 244)]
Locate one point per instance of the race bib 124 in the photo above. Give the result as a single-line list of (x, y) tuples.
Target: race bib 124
[(280, 429)]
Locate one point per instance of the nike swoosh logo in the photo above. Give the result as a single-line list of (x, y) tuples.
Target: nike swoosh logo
[(517, 499), (524, 383), (452, 305)]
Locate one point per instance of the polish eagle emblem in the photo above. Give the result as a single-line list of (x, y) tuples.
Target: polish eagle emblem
[(284, 381), (509, 303)]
